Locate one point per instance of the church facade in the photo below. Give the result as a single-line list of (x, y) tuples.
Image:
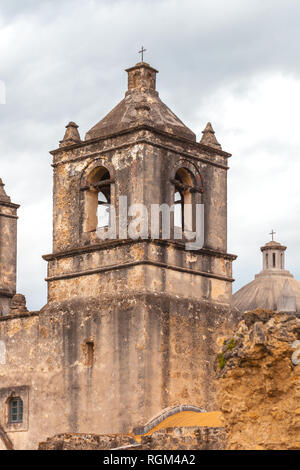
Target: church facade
[(131, 324)]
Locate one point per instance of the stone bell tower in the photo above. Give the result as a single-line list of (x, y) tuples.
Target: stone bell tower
[(139, 316), (8, 249), (140, 150)]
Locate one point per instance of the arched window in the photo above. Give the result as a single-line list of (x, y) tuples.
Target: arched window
[(97, 199), (178, 209), (274, 260), (267, 260), (103, 187), (15, 411), (183, 199)]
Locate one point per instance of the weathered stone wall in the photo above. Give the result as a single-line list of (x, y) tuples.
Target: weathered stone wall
[(141, 164), (8, 250), (71, 441), (259, 386), (149, 352), (193, 438), (140, 268)]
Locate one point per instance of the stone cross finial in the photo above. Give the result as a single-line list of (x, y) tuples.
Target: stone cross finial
[(272, 233), (142, 52)]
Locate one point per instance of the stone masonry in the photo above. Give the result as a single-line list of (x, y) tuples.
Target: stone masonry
[(259, 382), (131, 325)]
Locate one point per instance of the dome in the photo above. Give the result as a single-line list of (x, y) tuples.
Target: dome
[(274, 288), (271, 244)]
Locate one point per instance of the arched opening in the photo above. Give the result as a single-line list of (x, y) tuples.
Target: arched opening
[(274, 260), (183, 199), (179, 209), (97, 200), (159, 421), (267, 260)]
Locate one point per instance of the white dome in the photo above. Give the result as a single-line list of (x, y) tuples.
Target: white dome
[(274, 288)]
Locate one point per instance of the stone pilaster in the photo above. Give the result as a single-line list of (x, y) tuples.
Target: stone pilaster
[(8, 249)]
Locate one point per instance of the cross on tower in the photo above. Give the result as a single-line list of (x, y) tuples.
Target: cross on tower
[(142, 52), (272, 233)]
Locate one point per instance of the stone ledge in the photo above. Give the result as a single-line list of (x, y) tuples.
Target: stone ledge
[(21, 315), (194, 144), (139, 263), (74, 441), (112, 243)]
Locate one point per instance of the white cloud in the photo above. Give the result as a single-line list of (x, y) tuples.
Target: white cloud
[(260, 128)]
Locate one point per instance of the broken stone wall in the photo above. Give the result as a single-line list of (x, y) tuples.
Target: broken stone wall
[(259, 382), (187, 438)]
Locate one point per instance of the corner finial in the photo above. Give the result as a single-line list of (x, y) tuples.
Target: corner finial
[(209, 137), (18, 305), (3, 196), (71, 135)]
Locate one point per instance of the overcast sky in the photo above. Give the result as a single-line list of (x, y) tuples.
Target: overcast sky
[(234, 63)]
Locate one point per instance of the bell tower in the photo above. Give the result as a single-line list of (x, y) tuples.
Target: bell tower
[(8, 249), (146, 308), (142, 152)]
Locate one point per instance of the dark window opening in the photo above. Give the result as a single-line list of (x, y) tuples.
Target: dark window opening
[(89, 353), (15, 410), (274, 260)]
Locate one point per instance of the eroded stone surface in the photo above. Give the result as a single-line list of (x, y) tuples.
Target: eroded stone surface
[(192, 438), (72, 441), (8, 249), (18, 305), (149, 352), (259, 386)]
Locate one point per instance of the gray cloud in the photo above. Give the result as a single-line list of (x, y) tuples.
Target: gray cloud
[(64, 60)]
